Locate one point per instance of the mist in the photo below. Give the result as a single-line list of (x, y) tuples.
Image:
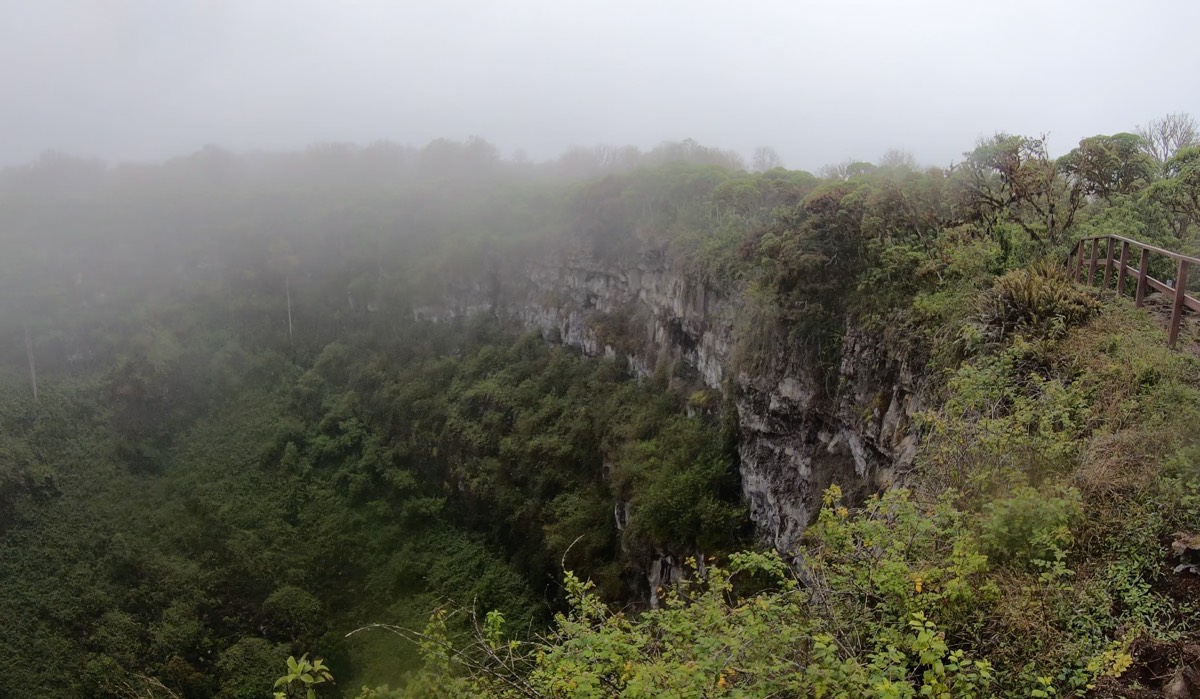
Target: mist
[(143, 80), (322, 323)]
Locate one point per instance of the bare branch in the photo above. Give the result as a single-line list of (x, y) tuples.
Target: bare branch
[(1162, 138)]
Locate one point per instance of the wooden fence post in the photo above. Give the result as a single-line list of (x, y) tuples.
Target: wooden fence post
[(1177, 306), (1079, 260), (1092, 262), (1140, 296), (1123, 270), (1108, 264)]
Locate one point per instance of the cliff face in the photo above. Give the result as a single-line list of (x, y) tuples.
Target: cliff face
[(797, 436)]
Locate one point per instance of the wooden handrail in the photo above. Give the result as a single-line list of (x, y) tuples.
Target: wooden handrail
[(1146, 246), (1180, 299)]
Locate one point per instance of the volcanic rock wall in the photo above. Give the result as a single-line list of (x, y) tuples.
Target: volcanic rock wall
[(802, 426)]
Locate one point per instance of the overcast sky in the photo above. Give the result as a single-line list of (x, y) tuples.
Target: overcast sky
[(820, 81)]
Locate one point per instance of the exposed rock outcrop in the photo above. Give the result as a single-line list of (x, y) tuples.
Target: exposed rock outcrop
[(803, 427)]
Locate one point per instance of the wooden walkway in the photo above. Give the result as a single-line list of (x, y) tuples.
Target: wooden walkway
[(1113, 251)]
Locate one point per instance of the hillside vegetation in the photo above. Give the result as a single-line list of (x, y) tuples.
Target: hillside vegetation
[(227, 440)]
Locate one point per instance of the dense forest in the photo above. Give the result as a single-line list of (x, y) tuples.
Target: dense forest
[(227, 438)]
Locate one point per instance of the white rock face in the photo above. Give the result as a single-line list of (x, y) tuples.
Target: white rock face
[(796, 438)]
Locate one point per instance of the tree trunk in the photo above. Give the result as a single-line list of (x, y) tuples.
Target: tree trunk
[(32, 364)]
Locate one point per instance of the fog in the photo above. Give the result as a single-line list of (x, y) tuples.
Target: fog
[(818, 81)]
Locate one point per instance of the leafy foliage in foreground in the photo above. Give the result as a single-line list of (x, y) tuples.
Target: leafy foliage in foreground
[(896, 599)]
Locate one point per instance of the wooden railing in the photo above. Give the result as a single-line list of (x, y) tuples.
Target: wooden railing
[(1181, 300)]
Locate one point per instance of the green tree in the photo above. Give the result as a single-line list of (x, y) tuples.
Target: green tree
[(1104, 166), (1012, 179), (1178, 192)]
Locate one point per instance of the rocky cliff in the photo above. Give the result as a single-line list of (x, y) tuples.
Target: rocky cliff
[(802, 427)]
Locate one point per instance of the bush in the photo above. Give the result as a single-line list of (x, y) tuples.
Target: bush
[(1029, 526), (1040, 301), (294, 613), (246, 668), (1007, 422)]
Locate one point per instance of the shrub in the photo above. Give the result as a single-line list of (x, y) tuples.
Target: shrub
[(1028, 526), (245, 668), (1040, 301), (1005, 423), (294, 613)]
